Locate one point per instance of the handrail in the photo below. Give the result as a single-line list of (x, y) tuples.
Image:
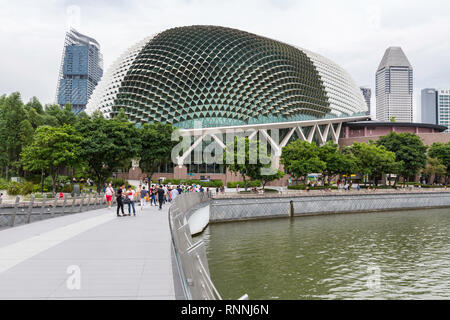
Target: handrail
[(195, 279)]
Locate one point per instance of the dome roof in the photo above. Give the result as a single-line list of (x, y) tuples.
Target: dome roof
[(223, 77)]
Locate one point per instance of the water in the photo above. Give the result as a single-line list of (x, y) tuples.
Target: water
[(385, 255)]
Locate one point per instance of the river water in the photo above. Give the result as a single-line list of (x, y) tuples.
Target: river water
[(383, 255)]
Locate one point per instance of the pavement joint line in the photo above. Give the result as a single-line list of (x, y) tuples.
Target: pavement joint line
[(13, 254)]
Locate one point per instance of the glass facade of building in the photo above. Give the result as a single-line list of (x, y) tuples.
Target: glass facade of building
[(394, 87), (443, 101), (223, 77), (81, 70)]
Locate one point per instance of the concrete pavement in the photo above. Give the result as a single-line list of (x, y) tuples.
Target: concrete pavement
[(90, 255)]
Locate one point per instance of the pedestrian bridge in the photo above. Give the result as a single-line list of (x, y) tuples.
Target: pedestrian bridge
[(97, 255)]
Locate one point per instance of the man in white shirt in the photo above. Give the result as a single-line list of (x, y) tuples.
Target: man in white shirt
[(174, 193)]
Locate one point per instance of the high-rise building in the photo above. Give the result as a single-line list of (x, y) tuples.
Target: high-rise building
[(80, 71), (394, 87), (367, 94), (429, 110), (443, 108)]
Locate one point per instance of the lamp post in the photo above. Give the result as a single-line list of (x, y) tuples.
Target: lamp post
[(42, 178)]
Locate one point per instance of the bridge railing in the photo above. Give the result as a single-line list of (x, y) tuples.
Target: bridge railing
[(17, 212), (190, 257)]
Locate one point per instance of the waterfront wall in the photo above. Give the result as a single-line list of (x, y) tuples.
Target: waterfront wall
[(222, 210)]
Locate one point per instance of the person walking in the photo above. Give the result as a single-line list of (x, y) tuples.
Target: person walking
[(143, 195), (109, 191), (160, 193), (119, 198), (131, 194), (174, 193), (153, 196)]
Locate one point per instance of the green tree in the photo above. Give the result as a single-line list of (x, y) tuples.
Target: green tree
[(441, 151), (244, 156), (301, 158), (409, 150), (435, 169), (52, 148), (12, 114), (337, 162), (107, 145), (373, 160), (156, 146)]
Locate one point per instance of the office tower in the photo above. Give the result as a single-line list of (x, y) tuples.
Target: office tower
[(443, 108), (367, 93), (428, 98), (80, 71), (394, 87)]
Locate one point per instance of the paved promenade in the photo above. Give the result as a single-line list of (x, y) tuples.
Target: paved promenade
[(90, 255)]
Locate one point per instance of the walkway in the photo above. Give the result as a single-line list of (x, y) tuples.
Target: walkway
[(90, 255)]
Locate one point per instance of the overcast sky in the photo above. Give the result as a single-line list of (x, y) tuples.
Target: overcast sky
[(354, 34)]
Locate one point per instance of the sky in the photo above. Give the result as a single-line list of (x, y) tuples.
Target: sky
[(354, 34)]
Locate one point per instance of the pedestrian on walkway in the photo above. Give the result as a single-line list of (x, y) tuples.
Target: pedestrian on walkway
[(153, 196), (174, 193), (160, 192), (109, 191), (143, 195), (131, 194), (119, 198)]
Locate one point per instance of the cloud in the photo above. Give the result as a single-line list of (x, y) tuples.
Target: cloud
[(352, 33)]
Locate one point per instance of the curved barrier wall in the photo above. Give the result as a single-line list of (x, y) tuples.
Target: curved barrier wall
[(190, 257)]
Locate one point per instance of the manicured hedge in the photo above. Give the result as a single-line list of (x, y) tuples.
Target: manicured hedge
[(250, 184), (205, 184), (303, 187)]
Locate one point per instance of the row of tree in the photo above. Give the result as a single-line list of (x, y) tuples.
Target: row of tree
[(402, 154), (38, 140)]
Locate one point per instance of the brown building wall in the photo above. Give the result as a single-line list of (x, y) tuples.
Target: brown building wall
[(427, 138)]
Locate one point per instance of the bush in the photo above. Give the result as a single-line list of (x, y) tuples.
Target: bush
[(206, 184), (68, 188), (117, 182), (26, 188), (303, 187), (13, 188), (250, 184), (3, 184)]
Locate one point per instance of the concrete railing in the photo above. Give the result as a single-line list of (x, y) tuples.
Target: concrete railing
[(190, 257), (17, 212)]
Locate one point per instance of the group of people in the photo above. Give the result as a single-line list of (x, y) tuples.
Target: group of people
[(155, 194)]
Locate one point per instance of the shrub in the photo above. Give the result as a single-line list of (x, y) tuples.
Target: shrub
[(117, 182), (68, 188), (250, 184), (3, 184), (303, 187), (13, 188), (26, 188)]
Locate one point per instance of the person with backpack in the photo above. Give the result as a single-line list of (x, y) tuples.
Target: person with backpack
[(161, 194), (119, 198)]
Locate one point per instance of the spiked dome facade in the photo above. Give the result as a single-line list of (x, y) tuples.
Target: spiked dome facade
[(224, 77)]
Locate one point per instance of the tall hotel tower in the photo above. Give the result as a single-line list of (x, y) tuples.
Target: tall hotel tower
[(394, 87), (80, 71)]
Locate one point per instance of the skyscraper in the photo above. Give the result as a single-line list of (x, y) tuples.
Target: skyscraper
[(394, 87), (367, 93), (443, 108), (428, 98), (80, 71)]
